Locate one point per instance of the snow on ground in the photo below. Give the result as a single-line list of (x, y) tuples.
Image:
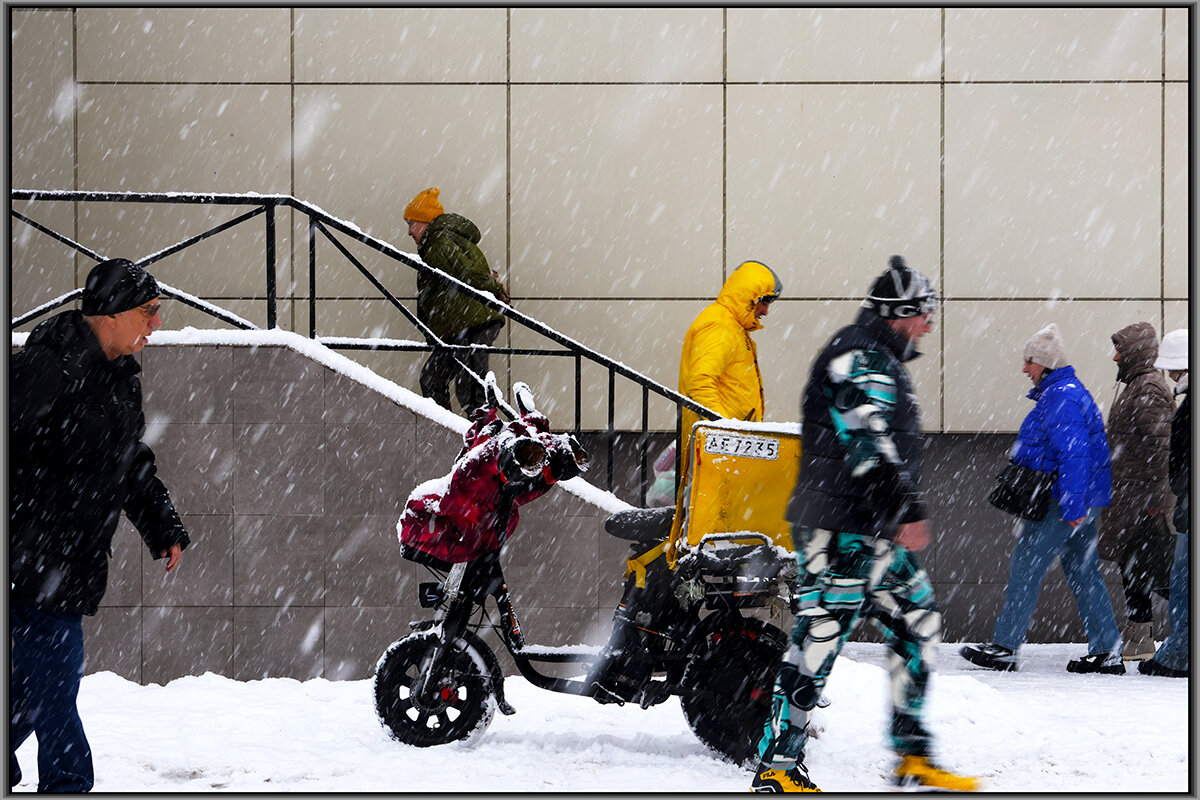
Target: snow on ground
[(1041, 729)]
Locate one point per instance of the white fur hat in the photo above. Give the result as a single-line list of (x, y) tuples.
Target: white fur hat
[(1173, 352), (1047, 348)]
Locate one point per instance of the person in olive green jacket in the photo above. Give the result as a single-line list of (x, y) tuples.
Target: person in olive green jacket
[(449, 242)]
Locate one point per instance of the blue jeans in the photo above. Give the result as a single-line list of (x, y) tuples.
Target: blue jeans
[(47, 665), (1173, 652), (1037, 547)]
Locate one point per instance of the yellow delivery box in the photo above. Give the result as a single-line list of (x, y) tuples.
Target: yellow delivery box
[(741, 477)]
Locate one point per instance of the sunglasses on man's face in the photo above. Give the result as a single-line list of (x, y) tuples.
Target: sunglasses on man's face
[(768, 299)]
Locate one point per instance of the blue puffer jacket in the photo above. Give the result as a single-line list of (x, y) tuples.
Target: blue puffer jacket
[(1065, 432)]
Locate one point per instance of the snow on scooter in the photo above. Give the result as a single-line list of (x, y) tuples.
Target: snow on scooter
[(677, 631)]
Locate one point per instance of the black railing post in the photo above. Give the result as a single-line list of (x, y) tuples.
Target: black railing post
[(578, 393), (645, 442), (610, 432), (312, 277), (271, 290)]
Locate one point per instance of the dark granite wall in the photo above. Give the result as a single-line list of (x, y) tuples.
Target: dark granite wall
[(290, 478)]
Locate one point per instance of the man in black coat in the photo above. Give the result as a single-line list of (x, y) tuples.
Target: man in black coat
[(77, 460)]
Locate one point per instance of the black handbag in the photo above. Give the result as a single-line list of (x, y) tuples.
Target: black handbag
[(1023, 492), (1148, 555)]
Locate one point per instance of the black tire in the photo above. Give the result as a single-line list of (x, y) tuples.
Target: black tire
[(733, 675), (463, 704)]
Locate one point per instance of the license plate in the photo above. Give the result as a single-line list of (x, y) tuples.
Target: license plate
[(725, 444)]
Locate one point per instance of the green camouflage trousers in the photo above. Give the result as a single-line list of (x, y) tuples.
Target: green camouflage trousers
[(842, 577)]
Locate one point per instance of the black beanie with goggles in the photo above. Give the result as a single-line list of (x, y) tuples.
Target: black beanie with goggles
[(901, 292)]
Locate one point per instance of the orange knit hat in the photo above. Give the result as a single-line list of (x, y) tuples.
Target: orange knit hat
[(425, 206)]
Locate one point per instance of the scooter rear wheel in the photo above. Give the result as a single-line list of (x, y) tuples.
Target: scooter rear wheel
[(733, 675), (455, 706)]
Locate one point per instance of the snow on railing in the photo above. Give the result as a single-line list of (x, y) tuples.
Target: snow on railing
[(317, 351)]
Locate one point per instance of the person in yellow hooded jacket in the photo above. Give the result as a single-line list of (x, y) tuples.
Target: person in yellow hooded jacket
[(719, 364), (718, 367)]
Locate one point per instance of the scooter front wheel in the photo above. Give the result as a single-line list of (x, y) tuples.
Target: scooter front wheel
[(455, 703), (733, 679)]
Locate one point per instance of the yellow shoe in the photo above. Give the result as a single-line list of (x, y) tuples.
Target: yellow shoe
[(917, 773), (795, 779)]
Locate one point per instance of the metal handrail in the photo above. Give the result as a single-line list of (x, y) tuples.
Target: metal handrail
[(322, 223)]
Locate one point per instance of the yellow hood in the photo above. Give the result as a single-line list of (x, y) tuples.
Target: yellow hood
[(745, 286)]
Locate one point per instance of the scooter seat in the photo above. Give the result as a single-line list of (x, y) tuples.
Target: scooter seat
[(641, 524)]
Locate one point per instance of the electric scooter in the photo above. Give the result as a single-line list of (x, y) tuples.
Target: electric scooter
[(679, 630)]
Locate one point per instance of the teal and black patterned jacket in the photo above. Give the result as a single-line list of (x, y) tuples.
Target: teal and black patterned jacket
[(861, 440)]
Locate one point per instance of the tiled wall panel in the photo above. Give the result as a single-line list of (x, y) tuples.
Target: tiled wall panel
[(1052, 190), (1053, 44), (1178, 213), (825, 182), (387, 45), (616, 190), (632, 327), (42, 268), (183, 45), (590, 45), (984, 344), (1177, 44), (43, 99), (42, 151), (834, 44), (184, 137)]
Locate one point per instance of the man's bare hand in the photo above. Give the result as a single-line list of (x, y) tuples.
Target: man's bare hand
[(173, 556)]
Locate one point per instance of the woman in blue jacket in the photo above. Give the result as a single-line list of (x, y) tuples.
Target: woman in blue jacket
[(1064, 433)]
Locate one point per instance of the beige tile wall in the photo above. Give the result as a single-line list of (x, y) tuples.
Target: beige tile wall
[(851, 179), (834, 44), (1177, 44), (621, 162), (1054, 44), (399, 45), (1177, 213), (1050, 207), (983, 362), (183, 45), (641, 45), (616, 190)]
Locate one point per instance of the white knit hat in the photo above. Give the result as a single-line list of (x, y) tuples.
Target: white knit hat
[(1047, 348), (1173, 352)]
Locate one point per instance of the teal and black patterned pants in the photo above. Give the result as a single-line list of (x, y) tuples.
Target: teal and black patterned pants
[(843, 577)]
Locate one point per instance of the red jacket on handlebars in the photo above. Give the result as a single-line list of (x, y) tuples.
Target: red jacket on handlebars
[(471, 511)]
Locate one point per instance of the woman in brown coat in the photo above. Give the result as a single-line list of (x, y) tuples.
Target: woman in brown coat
[(1133, 530)]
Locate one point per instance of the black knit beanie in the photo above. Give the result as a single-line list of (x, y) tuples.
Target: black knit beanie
[(117, 285)]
